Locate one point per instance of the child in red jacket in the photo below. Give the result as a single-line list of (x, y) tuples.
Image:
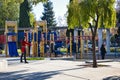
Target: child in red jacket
[(23, 49)]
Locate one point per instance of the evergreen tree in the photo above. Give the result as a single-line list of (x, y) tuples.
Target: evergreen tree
[(25, 8), (48, 14), (24, 19)]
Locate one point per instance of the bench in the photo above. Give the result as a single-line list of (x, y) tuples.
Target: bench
[(99, 61), (3, 64)]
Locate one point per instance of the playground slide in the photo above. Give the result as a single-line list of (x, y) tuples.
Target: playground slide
[(12, 48)]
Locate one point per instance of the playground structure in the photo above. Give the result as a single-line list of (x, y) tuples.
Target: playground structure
[(40, 39), (11, 38), (38, 44)]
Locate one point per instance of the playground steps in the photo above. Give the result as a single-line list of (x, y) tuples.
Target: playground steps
[(3, 64)]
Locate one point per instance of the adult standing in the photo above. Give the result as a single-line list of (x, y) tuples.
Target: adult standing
[(24, 43), (103, 51)]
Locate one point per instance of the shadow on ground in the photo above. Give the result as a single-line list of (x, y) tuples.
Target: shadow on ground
[(25, 75), (112, 78), (91, 65), (21, 75)]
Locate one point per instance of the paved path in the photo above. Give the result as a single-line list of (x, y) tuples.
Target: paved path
[(60, 70)]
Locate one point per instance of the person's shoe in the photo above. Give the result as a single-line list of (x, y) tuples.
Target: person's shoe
[(21, 61), (26, 62)]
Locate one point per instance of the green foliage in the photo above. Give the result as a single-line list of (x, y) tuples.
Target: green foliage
[(35, 58), (32, 19), (9, 10), (89, 10), (26, 18), (114, 49), (73, 18), (37, 1), (48, 14), (118, 16), (96, 13)]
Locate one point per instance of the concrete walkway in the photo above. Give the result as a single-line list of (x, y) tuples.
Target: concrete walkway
[(60, 70)]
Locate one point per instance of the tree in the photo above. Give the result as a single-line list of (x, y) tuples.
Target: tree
[(73, 18), (48, 14), (24, 19), (32, 19), (9, 10), (118, 12), (25, 8), (118, 20), (93, 14)]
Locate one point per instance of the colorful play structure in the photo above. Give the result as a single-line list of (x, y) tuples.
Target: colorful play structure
[(11, 38), (41, 41), (38, 39)]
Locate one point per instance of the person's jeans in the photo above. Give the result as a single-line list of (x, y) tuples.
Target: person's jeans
[(23, 54)]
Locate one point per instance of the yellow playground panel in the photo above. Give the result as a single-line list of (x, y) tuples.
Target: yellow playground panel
[(43, 25)]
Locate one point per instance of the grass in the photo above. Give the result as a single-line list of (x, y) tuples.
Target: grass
[(113, 49), (35, 58), (18, 50)]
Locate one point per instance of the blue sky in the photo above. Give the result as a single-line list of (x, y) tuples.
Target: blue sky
[(59, 8)]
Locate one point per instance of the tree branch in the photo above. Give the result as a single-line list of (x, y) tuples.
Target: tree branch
[(91, 28), (92, 17)]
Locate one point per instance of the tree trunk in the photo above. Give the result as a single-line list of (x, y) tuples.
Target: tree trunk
[(93, 42), (94, 53)]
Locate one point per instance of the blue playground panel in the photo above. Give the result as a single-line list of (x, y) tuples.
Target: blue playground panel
[(12, 47), (55, 35), (58, 44), (20, 36), (39, 36)]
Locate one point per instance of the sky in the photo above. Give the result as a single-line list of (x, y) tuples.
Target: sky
[(59, 8)]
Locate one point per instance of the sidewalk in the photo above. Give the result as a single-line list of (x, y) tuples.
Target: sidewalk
[(60, 70)]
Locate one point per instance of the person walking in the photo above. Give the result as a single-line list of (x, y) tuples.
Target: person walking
[(24, 43), (103, 51)]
